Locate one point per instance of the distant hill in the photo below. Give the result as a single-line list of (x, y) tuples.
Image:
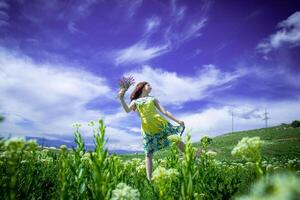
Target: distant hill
[(280, 141), (70, 143)]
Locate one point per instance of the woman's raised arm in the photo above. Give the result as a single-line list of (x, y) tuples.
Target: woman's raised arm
[(124, 104), (167, 113)]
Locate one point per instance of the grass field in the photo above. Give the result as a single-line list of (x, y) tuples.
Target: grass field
[(29, 172), (281, 142)]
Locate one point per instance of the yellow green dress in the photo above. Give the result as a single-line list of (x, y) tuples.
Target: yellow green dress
[(155, 128)]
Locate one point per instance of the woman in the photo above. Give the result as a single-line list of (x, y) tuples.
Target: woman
[(155, 128)]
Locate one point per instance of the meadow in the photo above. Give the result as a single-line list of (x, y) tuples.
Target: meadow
[(255, 164)]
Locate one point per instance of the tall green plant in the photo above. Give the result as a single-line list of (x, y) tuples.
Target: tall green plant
[(101, 175), (188, 171)]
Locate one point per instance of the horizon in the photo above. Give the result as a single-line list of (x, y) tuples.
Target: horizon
[(50, 143), (60, 63)]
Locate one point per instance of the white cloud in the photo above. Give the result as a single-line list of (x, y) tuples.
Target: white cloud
[(152, 24), (75, 12), (171, 88), (3, 23), (246, 112), (279, 73), (120, 118), (84, 7), (39, 100), (4, 5), (44, 100), (180, 31), (138, 53), (69, 13), (52, 97), (135, 129), (247, 115), (194, 30), (4, 17), (126, 141), (72, 12), (133, 7), (177, 12), (73, 29), (289, 33), (175, 33)]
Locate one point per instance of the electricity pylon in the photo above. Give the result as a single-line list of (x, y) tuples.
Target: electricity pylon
[(266, 117)]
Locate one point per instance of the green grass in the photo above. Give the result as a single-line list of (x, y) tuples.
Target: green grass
[(280, 142)]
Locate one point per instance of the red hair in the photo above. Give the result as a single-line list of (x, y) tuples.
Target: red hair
[(137, 91)]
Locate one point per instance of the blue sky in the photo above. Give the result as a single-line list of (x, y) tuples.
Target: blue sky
[(60, 62)]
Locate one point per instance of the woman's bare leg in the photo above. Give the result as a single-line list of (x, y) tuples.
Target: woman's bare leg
[(149, 165), (181, 146)]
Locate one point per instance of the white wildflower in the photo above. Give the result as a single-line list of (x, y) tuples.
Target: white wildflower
[(15, 142), (141, 168), (136, 161), (91, 123), (162, 174), (63, 147), (76, 125), (248, 148), (125, 192), (279, 186), (211, 153), (32, 144)]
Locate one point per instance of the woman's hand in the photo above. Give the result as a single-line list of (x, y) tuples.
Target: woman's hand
[(181, 123), (122, 93)]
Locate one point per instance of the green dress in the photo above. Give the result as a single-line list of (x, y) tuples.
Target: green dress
[(155, 128)]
